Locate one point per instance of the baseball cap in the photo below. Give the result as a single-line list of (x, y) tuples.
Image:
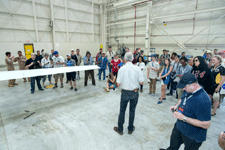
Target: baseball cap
[(72, 50), (209, 52), (55, 52), (153, 55), (186, 79), (68, 55), (142, 51)]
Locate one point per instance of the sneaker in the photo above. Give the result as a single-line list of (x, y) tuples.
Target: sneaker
[(61, 86), (159, 102), (41, 90), (162, 98), (55, 86), (141, 90), (107, 90), (153, 94), (15, 83), (130, 132), (169, 94), (150, 93), (32, 92), (10, 85), (71, 88), (75, 89)]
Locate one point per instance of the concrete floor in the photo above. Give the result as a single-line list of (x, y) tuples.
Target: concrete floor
[(84, 120)]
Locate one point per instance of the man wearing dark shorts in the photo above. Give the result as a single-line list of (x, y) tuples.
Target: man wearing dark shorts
[(193, 113), (71, 76)]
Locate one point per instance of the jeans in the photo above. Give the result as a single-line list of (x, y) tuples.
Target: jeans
[(109, 68), (173, 87), (32, 83), (100, 73), (132, 97), (177, 138), (49, 78)]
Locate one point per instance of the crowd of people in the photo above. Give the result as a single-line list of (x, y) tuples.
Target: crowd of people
[(198, 78)]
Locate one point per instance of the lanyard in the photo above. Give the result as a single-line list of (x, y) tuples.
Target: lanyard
[(183, 70), (184, 103), (152, 64)]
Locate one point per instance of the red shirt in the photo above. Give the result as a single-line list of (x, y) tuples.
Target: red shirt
[(115, 67)]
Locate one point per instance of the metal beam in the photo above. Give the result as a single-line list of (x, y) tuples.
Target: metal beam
[(67, 30), (178, 43), (169, 16), (53, 23), (148, 27), (92, 17), (35, 21), (205, 28)]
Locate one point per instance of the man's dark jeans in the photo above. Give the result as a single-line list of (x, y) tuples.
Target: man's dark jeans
[(177, 138), (173, 86), (132, 97), (32, 83)]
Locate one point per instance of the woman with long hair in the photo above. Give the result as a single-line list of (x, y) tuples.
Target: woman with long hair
[(203, 74), (111, 82), (141, 64), (218, 72), (165, 79)]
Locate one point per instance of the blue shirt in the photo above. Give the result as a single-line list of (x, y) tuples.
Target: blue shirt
[(103, 62), (196, 106), (90, 62), (182, 70), (121, 64)]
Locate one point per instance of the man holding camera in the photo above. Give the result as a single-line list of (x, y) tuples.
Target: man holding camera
[(33, 63), (88, 60), (58, 61), (193, 113)]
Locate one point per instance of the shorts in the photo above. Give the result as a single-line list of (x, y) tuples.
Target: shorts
[(59, 75), (110, 84), (71, 76)]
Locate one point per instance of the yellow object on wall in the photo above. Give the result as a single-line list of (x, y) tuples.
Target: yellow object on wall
[(101, 46), (29, 49)]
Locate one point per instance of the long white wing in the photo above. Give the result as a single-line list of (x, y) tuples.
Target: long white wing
[(8, 75)]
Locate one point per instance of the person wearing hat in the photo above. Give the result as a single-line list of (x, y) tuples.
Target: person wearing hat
[(193, 113), (46, 63), (152, 70), (58, 61), (103, 64), (110, 56), (71, 76), (208, 58), (33, 63)]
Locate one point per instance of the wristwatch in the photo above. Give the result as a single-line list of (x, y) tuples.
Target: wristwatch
[(185, 119)]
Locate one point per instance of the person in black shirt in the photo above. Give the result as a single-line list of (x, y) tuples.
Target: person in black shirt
[(33, 63), (203, 74), (74, 57), (218, 72), (39, 56)]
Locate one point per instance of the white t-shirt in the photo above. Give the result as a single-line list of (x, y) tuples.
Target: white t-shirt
[(109, 55), (45, 61), (141, 66), (57, 59), (130, 76), (153, 73)]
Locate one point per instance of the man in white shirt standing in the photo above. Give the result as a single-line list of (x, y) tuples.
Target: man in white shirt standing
[(110, 56), (46, 64), (152, 71), (129, 78), (58, 62)]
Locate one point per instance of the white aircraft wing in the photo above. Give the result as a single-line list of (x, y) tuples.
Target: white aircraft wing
[(18, 74)]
